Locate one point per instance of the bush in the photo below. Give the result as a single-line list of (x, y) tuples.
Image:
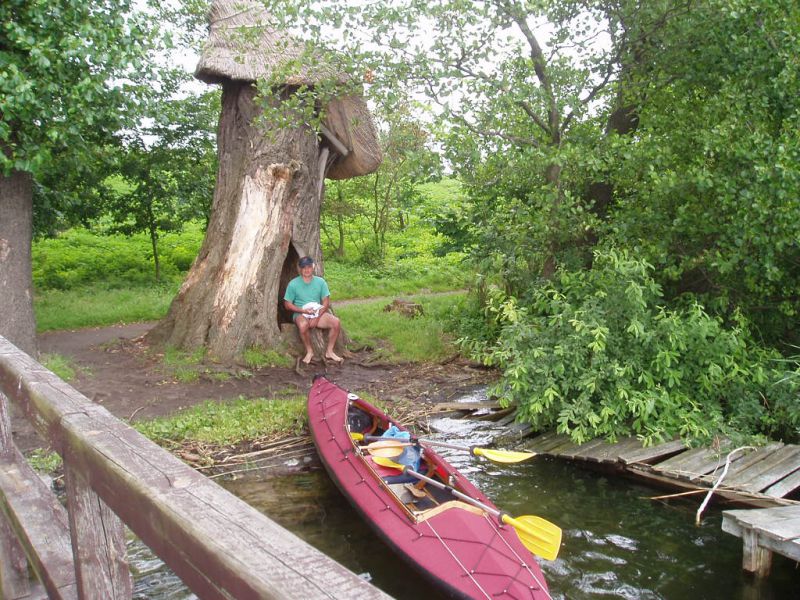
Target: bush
[(79, 257), (595, 353)]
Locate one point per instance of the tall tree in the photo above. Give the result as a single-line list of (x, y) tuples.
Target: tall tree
[(270, 184), (66, 87)]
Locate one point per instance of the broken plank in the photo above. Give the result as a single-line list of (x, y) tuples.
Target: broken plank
[(652, 453), (785, 486), (750, 460), (772, 469)]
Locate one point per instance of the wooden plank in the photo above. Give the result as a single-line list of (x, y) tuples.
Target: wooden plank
[(782, 522), (702, 462), (772, 469), (14, 580), (220, 546), (609, 453), (40, 524), (764, 531), (681, 461), (785, 486), (583, 449), (750, 459), (465, 406), (556, 440), (540, 442), (652, 453), (755, 557), (98, 542), (562, 442)]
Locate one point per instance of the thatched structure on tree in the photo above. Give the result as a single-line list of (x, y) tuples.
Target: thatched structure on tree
[(270, 183)]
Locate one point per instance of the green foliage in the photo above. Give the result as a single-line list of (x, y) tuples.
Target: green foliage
[(596, 353), (168, 169), (59, 364), (229, 422), (397, 338), (67, 77), (44, 461), (79, 257)]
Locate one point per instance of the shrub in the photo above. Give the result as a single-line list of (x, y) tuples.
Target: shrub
[(595, 353)]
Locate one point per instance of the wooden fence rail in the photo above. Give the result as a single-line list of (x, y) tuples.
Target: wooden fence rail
[(217, 544)]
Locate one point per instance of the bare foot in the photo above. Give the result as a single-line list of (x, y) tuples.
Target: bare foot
[(332, 356), (308, 358)]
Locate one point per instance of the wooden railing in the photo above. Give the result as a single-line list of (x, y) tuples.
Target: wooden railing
[(217, 544)]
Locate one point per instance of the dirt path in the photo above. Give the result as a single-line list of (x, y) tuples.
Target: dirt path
[(119, 372)]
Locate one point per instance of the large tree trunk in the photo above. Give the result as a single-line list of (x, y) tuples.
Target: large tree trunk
[(264, 216), (17, 321)]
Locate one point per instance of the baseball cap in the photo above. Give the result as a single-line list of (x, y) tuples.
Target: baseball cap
[(306, 261)]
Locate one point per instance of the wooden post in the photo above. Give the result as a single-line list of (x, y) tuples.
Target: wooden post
[(756, 559), (14, 582), (98, 542)]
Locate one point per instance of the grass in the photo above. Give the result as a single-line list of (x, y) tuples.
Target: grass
[(229, 422), (258, 357), (42, 460), (60, 365), (396, 337), (93, 307)]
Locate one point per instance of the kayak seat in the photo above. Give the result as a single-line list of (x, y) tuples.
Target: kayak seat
[(389, 474)]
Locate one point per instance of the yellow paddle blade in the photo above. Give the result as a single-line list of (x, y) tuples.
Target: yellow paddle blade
[(398, 443), (538, 535), (503, 456), (354, 435), (385, 462)]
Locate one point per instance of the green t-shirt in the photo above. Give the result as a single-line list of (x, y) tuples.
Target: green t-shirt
[(300, 293)]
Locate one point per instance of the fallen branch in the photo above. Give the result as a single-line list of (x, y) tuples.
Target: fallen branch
[(718, 482)]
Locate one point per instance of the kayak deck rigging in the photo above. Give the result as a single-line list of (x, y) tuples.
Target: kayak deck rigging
[(460, 546)]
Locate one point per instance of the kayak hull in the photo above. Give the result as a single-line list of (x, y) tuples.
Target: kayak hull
[(459, 547)]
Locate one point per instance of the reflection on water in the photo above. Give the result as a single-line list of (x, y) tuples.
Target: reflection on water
[(617, 542)]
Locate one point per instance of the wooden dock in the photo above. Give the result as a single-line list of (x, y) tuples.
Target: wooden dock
[(764, 477), (765, 531), (768, 478)]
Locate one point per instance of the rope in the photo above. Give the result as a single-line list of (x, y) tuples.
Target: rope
[(719, 481), (518, 557), (460, 564)]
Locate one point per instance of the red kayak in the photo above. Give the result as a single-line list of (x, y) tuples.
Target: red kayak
[(464, 549)]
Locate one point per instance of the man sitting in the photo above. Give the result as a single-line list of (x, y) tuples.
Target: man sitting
[(308, 299)]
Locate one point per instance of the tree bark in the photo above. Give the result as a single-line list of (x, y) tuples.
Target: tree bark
[(17, 320), (265, 215)]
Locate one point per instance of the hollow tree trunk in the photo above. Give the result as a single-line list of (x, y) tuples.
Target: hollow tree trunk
[(17, 321), (264, 215)]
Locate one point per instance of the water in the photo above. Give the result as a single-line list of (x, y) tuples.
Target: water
[(617, 542)]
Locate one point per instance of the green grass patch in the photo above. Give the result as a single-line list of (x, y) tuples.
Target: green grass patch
[(44, 461), (60, 365), (258, 357), (93, 307), (406, 276), (229, 422), (399, 338)]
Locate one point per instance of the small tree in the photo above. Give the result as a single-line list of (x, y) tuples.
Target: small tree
[(169, 169)]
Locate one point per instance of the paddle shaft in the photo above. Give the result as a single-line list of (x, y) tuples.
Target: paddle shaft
[(455, 492), (375, 438)]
